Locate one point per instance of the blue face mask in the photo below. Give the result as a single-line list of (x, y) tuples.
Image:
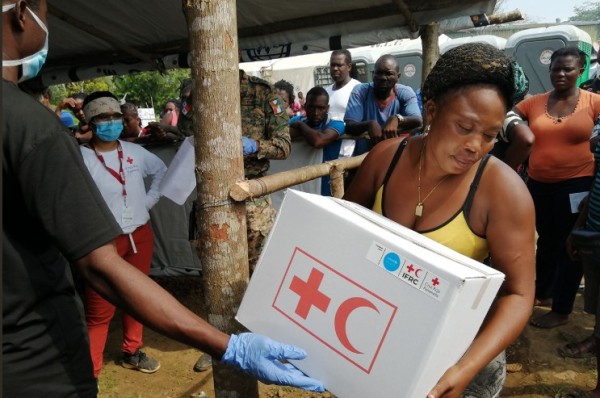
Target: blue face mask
[(32, 64), (109, 131)]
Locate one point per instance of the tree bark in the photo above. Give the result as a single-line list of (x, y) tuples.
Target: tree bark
[(431, 49), (223, 248)]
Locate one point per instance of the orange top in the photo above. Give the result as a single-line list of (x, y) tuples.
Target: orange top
[(561, 150)]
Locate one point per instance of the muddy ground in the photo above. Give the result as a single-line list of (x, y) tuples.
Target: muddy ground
[(544, 372)]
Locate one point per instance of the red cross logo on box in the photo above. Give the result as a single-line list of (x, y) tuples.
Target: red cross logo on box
[(342, 314)]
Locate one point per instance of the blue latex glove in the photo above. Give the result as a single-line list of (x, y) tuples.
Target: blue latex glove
[(249, 146), (259, 356)]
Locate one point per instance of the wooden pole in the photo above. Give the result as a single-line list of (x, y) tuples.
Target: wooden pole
[(431, 49), (222, 243), (511, 16), (430, 34), (336, 181), (275, 182)]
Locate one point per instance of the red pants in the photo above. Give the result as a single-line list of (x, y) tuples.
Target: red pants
[(99, 312)]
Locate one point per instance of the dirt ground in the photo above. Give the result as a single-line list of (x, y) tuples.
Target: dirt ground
[(544, 372)]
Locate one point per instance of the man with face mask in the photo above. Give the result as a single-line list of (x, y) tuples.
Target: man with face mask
[(44, 350), (118, 169), (30, 65)]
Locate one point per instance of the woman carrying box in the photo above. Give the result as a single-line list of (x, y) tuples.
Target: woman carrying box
[(444, 185)]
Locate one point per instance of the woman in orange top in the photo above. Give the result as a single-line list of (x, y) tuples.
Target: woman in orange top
[(560, 171)]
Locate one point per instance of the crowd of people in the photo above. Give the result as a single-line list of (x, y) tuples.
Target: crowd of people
[(432, 151), (44, 333)]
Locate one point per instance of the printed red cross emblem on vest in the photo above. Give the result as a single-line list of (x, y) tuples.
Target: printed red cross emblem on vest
[(339, 312)]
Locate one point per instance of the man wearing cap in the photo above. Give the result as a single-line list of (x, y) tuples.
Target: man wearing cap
[(118, 169), (44, 340)]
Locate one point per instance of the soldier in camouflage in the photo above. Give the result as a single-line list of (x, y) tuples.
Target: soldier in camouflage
[(265, 136), (265, 122)]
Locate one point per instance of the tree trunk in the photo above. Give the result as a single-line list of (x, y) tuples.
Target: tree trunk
[(223, 248), (431, 51)]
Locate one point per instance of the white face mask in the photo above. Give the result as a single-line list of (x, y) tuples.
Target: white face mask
[(33, 63)]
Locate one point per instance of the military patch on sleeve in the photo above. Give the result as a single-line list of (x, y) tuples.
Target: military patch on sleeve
[(276, 105)]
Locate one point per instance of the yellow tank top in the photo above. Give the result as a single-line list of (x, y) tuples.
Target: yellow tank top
[(455, 233)]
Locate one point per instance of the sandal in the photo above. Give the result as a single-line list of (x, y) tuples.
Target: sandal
[(573, 394), (514, 367), (582, 349)]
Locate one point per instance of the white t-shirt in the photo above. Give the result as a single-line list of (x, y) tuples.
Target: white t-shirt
[(138, 163), (338, 99)]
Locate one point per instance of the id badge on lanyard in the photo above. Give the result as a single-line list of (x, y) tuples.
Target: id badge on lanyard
[(127, 216), (127, 213)]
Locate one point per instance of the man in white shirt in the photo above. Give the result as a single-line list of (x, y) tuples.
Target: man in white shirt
[(340, 66)]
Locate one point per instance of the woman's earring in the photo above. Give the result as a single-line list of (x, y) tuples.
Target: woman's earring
[(426, 130)]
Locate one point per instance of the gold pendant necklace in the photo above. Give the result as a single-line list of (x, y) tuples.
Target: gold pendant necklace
[(419, 208)]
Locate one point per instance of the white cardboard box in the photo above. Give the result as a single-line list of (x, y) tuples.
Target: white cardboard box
[(381, 310)]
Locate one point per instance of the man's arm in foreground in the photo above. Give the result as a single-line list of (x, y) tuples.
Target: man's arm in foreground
[(128, 288)]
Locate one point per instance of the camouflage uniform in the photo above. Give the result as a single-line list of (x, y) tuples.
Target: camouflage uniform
[(263, 119)]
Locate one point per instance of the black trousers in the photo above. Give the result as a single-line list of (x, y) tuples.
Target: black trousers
[(557, 277)]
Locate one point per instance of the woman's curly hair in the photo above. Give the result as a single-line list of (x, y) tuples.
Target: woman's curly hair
[(469, 64)]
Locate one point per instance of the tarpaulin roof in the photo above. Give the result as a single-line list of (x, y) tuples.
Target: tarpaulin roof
[(93, 38), (110, 37)]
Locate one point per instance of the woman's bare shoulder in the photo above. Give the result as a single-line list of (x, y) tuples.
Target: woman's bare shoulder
[(504, 187), (372, 171), (381, 155)]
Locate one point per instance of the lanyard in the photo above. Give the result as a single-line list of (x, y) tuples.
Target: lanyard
[(120, 176)]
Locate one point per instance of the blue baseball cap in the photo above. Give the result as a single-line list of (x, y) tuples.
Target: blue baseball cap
[(67, 119)]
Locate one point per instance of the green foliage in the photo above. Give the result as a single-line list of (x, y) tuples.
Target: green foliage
[(57, 93), (148, 89), (589, 11), (144, 89), (60, 91)]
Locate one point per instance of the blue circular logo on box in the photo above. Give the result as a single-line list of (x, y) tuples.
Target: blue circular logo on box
[(391, 262)]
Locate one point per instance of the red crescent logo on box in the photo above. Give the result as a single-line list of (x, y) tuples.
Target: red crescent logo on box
[(340, 313)]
